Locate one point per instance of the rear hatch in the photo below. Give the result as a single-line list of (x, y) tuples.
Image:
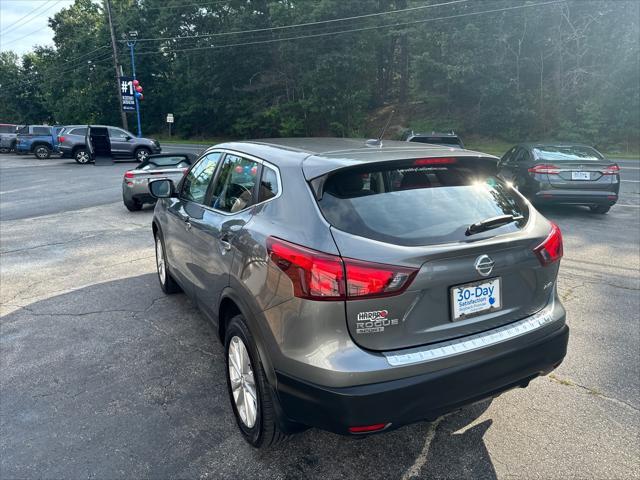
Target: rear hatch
[(411, 220), (574, 168)]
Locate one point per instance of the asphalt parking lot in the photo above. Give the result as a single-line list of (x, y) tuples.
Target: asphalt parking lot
[(102, 376)]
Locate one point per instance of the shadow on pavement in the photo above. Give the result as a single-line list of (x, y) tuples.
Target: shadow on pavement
[(117, 380)]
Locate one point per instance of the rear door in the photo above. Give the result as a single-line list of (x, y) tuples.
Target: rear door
[(415, 217), (217, 225), (120, 142)]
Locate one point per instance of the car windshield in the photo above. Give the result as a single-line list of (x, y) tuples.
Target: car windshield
[(418, 205), (568, 153)]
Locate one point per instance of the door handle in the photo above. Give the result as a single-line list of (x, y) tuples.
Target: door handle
[(187, 223), (224, 241)]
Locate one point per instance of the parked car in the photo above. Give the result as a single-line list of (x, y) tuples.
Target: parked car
[(124, 144), (358, 289), (562, 174), (8, 134), (135, 191), (449, 139), (41, 140)]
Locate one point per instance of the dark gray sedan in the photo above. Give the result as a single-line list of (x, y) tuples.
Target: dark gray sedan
[(359, 287), (562, 174)]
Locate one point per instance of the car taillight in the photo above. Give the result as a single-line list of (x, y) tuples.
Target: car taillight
[(60, 139), (544, 169), (611, 170), (550, 250), (321, 276), (435, 161), (128, 174), (366, 279)]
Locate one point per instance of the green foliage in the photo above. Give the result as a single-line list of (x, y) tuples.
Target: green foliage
[(568, 71)]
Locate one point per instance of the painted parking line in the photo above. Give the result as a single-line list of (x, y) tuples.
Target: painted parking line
[(624, 205), (631, 181), (629, 168)]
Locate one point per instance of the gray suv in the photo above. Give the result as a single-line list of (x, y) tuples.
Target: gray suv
[(358, 288), (72, 143)]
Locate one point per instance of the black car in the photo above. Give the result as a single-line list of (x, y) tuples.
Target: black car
[(562, 173), (449, 139)]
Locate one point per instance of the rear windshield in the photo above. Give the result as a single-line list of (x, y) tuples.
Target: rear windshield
[(418, 205), (558, 154), (438, 140), (155, 162)]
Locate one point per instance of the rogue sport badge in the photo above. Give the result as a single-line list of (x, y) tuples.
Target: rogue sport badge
[(484, 265)]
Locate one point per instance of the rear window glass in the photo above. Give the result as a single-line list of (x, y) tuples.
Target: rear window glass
[(7, 129), (557, 154), (41, 130), (418, 205), (78, 131), (438, 140), (155, 162)]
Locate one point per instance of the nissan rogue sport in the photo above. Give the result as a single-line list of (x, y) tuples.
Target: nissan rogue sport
[(360, 287)]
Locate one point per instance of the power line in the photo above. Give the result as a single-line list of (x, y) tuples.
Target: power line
[(13, 26), (319, 22), (10, 27), (171, 7), (376, 27)]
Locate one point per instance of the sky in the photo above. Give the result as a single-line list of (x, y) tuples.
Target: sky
[(24, 23)]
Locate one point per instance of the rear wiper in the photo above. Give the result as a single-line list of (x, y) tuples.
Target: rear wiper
[(490, 223)]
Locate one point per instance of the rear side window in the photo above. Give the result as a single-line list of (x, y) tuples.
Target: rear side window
[(235, 185), (7, 129), (41, 130), (416, 205), (78, 131), (269, 186), (569, 153)]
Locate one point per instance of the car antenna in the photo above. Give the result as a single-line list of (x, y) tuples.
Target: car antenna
[(377, 142)]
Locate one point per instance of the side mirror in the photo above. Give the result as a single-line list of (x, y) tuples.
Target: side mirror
[(127, 138), (162, 188)]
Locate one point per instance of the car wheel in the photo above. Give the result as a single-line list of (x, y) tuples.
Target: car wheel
[(42, 152), (82, 156), (249, 391), (601, 209), (167, 283), (132, 204), (142, 154)]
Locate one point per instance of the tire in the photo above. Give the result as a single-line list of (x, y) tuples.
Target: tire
[(601, 209), (82, 156), (142, 154), (42, 152), (167, 283), (260, 429), (132, 204), (5, 150)]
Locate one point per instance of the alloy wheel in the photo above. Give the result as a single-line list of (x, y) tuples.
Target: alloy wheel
[(162, 271), (142, 155), (243, 386), (82, 157)]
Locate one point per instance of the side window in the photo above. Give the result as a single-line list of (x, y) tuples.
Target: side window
[(197, 180), (508, 157), (117, 134), (521, 156), (234, 187), (79, 131), (41, 131), (269, 187)]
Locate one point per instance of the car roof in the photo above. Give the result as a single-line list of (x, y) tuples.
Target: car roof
[(319, 156)]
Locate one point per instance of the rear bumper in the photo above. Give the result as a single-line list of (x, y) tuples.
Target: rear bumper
[(577, 197), (422, 397)]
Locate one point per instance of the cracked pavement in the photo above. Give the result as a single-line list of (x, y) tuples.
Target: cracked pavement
[(102, 376)]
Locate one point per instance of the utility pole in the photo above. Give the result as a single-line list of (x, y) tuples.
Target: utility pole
[(123, 115)]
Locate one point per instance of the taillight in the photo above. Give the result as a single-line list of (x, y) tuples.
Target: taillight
[(128, 174), (611, 170), (550, 250), (366, 279), (321, 276), (376, 427), (60, 139), (434, 161), (544, 169), (315, 275)]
